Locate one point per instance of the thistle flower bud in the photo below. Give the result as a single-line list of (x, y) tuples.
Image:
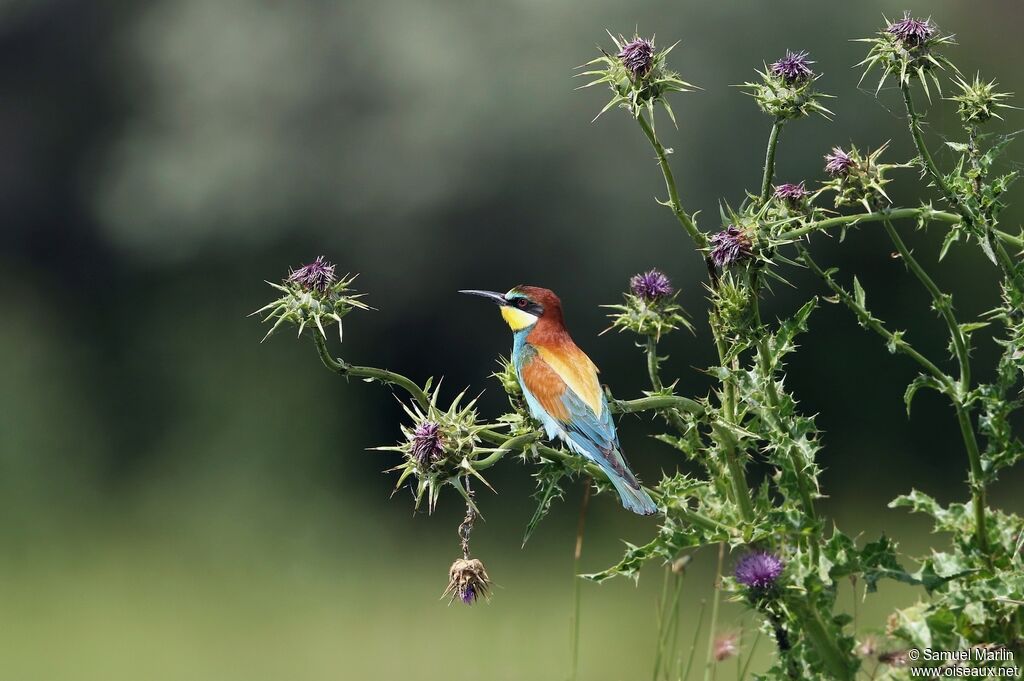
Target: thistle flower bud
[(467, 581), (650, 308), (906, 49), (859, 179), (312, 295), (978, 101), (730, 246), (651, 285), (637, 75), (786, 91), (439, 447), (793, 195), (316, 276), (793, 68), (838, 163), (910, 31), (759, 570), (427, 443), (637, 56)]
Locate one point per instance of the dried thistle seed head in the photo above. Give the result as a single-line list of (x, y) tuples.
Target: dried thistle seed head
[(312, 295), (978, 101), (730, 246), (759, 570), (795, 67), (838, 163), (467, 581), (315, 276), (651, 285), (910, 31), (637, 56), (427, 443), (726, 645)]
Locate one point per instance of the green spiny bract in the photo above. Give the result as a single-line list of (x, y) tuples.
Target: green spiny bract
[(440, 447), (636, 89), (978, 101), (907, 49), (646, 316), (317, 300), (859, 179)]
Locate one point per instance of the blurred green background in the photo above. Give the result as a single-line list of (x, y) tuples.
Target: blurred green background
[(178, 501)]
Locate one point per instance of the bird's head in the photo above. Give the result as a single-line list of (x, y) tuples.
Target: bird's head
[(524, 306)]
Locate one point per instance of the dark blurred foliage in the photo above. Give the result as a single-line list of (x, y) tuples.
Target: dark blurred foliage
[(162, 159)]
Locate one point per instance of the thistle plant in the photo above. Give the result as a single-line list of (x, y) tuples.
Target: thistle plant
[(789, 561)]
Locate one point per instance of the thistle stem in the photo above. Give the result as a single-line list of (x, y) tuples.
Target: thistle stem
[(772, 395), (892, 214), (342, 367), (871, 322), (652, 363), (914, 121), (835, 659), (769, 160), (700, 240), (942, 303)]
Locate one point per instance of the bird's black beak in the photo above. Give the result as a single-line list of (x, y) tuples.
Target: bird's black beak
[(494, 297)]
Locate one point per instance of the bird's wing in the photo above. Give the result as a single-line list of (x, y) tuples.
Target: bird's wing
[(569, 392), (578, 373)]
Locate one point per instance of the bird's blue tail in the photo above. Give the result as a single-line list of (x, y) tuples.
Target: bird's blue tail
[(633, 498)]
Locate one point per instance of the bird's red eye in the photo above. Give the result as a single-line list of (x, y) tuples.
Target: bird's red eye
[(521, 303)]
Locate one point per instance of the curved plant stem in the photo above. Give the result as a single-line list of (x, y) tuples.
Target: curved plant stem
[(891, 214), (914, 121), (342, 367), (942, 302), (655, 402), (700, 240), (869, 321), (769, 160)]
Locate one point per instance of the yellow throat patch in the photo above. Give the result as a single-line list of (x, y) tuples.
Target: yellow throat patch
[(517, 319)]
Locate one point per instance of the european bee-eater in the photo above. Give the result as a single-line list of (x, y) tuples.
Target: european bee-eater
[(561, 388)]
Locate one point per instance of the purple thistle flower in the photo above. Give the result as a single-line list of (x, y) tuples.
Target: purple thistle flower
[(838, 163), (730, 246), (791, 193), (910, 31), (316, 276), (638, 57), (758, 570), (468, 595), (793, 68), (651, 285), (427, 443)]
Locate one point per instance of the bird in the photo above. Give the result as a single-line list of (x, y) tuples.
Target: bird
[(561, 388)]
